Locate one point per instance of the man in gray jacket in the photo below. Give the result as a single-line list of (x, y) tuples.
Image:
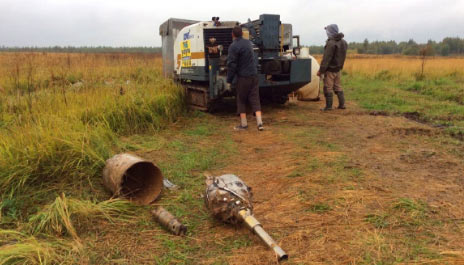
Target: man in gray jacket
[(331, 65)]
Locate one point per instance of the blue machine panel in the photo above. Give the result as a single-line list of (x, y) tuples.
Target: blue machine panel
[(300, 71), (269, 34)]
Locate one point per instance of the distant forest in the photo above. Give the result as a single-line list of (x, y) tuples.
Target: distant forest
[(99, 49), (446, 47)]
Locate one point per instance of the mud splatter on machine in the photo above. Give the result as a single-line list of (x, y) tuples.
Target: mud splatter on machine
[(195, 55)]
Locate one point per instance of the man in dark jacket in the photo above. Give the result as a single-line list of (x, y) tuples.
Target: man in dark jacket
[(242, 66), (331, 65)]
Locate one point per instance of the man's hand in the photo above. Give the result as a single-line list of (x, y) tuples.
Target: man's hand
[(319, 73)]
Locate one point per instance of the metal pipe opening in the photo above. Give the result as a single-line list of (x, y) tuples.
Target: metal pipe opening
[(134, 178)]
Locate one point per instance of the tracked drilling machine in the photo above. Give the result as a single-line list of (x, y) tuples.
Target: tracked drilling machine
[(195, 55), (229, 200)]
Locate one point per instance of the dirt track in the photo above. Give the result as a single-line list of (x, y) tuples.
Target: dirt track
[(335, 188), (343, 187)]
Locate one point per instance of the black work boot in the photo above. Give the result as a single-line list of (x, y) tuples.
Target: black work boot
[(328, 101), (341, 99)]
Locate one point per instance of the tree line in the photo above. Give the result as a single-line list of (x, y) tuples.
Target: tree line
[(448, 46), (85, 49)]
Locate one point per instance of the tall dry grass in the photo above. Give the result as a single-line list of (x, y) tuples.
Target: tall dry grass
[(61, 117), (60, 217), (20, 248), (61, 114), (402, 67)]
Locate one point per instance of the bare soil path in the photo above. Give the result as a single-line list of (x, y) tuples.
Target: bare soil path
[(346, 187), (342, 187)]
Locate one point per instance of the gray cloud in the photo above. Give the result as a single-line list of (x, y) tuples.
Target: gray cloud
[(136, 22)]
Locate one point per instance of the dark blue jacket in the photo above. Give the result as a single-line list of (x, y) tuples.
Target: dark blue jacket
[(241, 60)]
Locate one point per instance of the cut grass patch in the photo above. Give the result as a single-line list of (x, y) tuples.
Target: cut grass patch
[(309, 165), (433, 101), (404, 212), (413, 221), (319, 208), (177, 252), (201, 130), (378, 220), (411, 212), (59, 217), (380, 247)]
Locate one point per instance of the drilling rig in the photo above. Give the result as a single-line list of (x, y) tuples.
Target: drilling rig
[(229, 199), (195, 55)]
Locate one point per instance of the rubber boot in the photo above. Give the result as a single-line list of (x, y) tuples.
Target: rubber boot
[(328, 101), (341, 99)]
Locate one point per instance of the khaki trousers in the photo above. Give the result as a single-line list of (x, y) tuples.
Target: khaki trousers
[(332, 82)]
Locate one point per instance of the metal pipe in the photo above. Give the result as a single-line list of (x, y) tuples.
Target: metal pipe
[(168, 220), (281, 39), (256, 227), (133, 177)]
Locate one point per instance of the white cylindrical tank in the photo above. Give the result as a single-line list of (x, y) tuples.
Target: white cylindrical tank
[(311, 90), (304, 52)]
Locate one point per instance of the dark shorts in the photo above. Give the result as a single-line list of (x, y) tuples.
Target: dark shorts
[(248, 93)]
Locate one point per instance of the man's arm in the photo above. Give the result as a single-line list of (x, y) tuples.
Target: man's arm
[(328, 55), (231, 64)]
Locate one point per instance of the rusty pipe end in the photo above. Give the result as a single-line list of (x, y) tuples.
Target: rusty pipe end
[(168, 221)]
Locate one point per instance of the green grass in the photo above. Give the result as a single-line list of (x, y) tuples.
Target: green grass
[(383, 247), (319, 208), (176, 252), (411, 212), (201, 130), (435, 101), (443, 89), (408, 223), (306, 195), (404, 212), (410, 206), (378, 220)]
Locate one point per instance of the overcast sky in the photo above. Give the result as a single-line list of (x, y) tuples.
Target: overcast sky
[(136, 22)]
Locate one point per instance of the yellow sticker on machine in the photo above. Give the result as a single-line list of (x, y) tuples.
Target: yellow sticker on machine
[(186, 54)]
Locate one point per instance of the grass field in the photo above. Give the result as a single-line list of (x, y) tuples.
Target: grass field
[(61, 117), (396, 85), (352, 182)]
